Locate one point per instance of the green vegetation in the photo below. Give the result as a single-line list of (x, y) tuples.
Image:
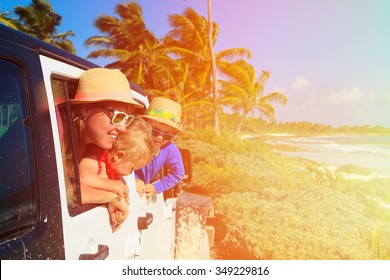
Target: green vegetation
[(273, 207), (39, 20), (258, 127), (349, 168)]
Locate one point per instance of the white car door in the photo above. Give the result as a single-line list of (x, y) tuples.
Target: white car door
[(87, 234)]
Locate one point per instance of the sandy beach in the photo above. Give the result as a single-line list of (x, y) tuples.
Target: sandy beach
[(368, 152)]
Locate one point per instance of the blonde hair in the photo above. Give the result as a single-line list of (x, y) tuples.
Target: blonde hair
[(136, 142)]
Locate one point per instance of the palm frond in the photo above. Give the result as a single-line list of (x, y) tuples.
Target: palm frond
[(275, 97), (233, 53)]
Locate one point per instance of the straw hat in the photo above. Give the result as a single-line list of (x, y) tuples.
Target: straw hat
[(101, 84), (165, 111)]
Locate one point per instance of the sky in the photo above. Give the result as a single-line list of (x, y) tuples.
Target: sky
[(331, 58)]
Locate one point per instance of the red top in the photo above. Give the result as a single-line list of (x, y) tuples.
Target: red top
[(102, 156)]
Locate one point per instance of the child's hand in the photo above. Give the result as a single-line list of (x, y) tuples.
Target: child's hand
[(117, 216), (112, 213), (123, 190), (120, 188), (149, 192), (119, 211), (140, 187), (116, 226)]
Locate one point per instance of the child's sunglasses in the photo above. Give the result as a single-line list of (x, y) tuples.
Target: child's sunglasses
[(121, 117), (165, 136)]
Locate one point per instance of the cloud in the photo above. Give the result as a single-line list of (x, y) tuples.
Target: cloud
[(351, 96), (336, 106), (300, 82)]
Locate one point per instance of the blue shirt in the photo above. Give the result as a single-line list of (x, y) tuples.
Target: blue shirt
[(169, 157)]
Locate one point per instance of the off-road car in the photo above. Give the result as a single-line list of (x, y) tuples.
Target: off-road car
[(36, 219)]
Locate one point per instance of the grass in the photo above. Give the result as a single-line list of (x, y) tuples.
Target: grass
[(270, 206), (350, 168)]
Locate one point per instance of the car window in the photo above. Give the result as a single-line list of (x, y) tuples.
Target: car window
[(63, 90), (18, 209)]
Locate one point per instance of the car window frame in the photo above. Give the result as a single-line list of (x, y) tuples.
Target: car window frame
[(26, 196)]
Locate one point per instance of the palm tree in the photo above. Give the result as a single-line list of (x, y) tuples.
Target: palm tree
[(137, 51), (213, 69), (189, 42), (6, 20), (246, 91), (40, 21)]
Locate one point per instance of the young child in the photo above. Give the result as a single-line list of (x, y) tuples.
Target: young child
[(104, 169), (164, 116)]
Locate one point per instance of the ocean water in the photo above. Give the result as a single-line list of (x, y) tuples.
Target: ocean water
[(371, 152)]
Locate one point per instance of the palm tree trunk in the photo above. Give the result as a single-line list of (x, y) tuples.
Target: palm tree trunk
[(238, 131), (213, 71)]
